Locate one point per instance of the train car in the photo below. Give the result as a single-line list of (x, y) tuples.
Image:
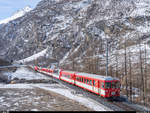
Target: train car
[(36, 68), (56, 73), (104, 86), (67, 76), (45, 69)]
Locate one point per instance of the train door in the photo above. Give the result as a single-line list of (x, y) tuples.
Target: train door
[(60, 74), (74, 78), (95, 86), (101, 88)]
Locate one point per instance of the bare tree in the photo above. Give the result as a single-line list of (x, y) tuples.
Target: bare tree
[(125, 65), (130, 77), (141, 69), (116, 66), (145, 74)]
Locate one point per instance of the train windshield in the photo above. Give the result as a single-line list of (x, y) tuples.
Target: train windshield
[(112, 85), (107, 85)]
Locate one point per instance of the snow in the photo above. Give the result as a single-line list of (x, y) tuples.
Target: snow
[(143, 29), (57, 88), (83, 100), (67, 92), (2, 99), (34, 109), (20, 13), (20, 86), (65, 57), (134, 54), (65, 21), (24, 73), (142, 8), (33, 57)]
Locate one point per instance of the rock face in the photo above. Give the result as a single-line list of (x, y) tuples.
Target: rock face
[(76, 30)]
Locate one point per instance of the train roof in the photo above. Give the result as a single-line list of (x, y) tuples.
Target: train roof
[(68, 71), (100, 77)]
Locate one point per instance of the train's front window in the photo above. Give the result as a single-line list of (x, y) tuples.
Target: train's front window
[(107, 85)]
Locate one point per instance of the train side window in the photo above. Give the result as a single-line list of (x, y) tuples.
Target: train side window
[(107, 85), (84, 80), (79, 79), (88, 81), (93, 82), (102, 85)]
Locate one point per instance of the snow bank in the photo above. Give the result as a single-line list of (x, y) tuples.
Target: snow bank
[(33, 57)]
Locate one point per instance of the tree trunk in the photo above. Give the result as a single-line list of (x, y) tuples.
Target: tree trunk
[(125, 56), (130, 73)]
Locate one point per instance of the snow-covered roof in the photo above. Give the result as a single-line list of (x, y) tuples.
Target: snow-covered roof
[(100, 77)]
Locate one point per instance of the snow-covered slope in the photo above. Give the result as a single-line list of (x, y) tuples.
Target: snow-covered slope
[(16, 15), (33, 57), (142, 8)]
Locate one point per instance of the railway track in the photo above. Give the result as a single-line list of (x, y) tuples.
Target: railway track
[(124, 106), (113, 105)]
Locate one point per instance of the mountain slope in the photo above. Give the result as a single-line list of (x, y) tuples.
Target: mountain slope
[(18, 14), (75, 31)]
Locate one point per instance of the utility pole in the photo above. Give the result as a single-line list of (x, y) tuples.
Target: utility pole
[(107, 31), (106, 57), (125, 58)]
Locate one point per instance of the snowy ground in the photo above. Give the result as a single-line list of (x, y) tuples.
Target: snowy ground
[(43, 96), (28, 98), (18, 96)]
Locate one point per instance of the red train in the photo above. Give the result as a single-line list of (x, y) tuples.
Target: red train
[(108, 87)]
